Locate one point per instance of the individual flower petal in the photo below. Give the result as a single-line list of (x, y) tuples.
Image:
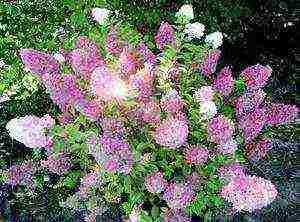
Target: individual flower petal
[(210, 62), (39, 63), (256, 76), (224, 83), (215, 39), (249, 193), (172, 133), (165, 36)]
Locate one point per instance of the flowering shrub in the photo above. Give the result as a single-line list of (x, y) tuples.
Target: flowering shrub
[(142, 128)]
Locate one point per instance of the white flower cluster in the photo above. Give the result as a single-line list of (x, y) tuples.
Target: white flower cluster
[(196, 29), (30, 130), (100, 15), (204, 96)]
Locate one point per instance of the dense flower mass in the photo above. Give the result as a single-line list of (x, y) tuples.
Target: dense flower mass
[(178, 195), (31, 130), (130, 132), (172, 133), (155, 183), (249, 193)]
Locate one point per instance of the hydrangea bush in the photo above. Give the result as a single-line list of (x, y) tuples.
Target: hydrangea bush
[(158, 132)]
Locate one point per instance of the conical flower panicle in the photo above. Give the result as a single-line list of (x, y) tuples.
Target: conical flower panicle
[(224, 83), (165, 36)]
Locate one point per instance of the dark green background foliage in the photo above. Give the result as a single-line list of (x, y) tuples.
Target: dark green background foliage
[(255, 34)]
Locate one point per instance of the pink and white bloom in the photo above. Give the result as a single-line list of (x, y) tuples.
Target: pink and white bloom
[(204, 94), (208, 110), (30, 130), (194, 30)]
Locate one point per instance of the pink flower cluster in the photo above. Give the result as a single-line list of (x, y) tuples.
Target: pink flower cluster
[(165, 36), (178, 195), (220, 129), (31, 130), (249, 193), (172, 133), (20, 174), (210, 62), (57, 163), (155, 183), (196, 155), (224, 83)]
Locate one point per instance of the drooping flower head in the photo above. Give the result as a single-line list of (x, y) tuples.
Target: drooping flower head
[(178, 195), (172, 133), (39, 63), (281, 114), (256, 76), (224, 82), (249, 193), (196, 155), (165, 36), (220, 129), (30, 130), (155, 183), (210, 62)]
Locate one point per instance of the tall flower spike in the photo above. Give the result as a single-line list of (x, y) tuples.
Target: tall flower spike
[(252, 123), (210, 62), (39, 63), (220, 129), (85, 57), (165, 36), (256, 76), (281, 114), (172, 133), (224, 82)]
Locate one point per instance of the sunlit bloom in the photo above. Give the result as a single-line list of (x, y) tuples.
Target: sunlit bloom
[(85, 57), (175, 216), (256, 76), (249, 102), (155, 183), (249, 193), (90, 109), (220, 129), (194, 30), (281, 114), (196, 155), (224, 83), (210, 62), (30, 130), (39, 63), (165, 36), (257, 151), (57, 163), (186, 11), (252, 123), (204, 94), (107, 86), (215, 39), (172, 133), (178, 195), (100, 15), (228, 148), (207, 110)]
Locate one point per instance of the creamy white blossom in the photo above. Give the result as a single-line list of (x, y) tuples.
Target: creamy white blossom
[(214, 39), (30, 130), (187, 11), (194, 30), (59, 57), (208, 109), (100, 15)]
